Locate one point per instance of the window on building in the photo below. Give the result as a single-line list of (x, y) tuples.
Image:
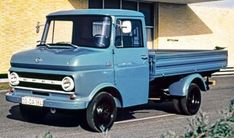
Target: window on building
[(112, 4), (150, 35), (129, 5), (129, 40), (146, 8), (95, 4)]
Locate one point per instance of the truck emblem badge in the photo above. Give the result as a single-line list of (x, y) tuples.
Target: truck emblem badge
[(37, 60)]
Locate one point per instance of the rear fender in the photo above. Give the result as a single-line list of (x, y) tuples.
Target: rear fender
[(180, 88)]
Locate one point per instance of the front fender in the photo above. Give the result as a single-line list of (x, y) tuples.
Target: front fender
[(180, 88), (103, 86)]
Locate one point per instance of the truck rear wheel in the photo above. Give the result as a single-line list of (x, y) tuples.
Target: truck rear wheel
[(101, 112), (190, 104), (33, 114)]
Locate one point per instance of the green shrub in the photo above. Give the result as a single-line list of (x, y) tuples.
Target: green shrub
[(199, 128), (222, 128), (48, 135)]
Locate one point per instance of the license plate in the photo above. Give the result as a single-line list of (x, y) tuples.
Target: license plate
[(32, 101)]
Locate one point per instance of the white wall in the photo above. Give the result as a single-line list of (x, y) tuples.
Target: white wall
[(196, 27)]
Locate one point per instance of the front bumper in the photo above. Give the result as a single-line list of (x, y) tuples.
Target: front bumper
[(52, 102)]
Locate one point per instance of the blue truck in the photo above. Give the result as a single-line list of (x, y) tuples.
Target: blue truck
[(97, 60)]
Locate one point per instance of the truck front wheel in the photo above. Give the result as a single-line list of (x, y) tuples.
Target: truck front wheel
[(101, 112), (33, 114)]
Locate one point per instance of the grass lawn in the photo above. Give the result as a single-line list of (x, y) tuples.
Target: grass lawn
[(4, 86)]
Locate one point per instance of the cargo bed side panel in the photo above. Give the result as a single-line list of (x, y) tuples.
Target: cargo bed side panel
[(171, 63)]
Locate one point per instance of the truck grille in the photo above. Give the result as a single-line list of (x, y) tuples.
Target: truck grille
[(41, 82), (41, 76), (41, 86)]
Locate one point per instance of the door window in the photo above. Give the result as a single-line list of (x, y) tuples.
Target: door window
[(133, 39)]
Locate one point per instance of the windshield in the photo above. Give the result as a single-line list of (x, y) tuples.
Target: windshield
[(84, 31)]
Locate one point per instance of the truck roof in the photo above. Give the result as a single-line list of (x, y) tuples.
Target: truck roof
[(110, 12)]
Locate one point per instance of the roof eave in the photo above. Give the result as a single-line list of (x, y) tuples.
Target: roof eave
[(177, 1)]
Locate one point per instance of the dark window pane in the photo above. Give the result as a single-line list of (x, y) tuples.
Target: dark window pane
[(95, 4), (148, 10), (112, 4), (129, 5), (93, 31)]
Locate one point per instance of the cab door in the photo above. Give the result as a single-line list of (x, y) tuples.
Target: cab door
[(131, 63)]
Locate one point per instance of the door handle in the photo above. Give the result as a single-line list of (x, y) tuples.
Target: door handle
[(144, 57)]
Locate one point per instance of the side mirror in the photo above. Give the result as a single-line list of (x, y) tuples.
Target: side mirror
[(126, 27), (38, 27)]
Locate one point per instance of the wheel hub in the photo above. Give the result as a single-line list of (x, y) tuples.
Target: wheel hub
[(103, 112)]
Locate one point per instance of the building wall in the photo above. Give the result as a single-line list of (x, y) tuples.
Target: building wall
[(18, 19), (196, 27)]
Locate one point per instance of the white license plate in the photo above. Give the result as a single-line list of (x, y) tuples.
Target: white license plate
[(32, 101)]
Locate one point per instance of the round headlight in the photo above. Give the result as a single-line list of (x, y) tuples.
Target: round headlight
[(68, 84), (13, 79)]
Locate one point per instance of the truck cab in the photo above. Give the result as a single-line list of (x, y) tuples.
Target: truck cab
[(83, 54)]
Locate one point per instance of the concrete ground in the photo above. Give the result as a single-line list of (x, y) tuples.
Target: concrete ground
[(151, 120)]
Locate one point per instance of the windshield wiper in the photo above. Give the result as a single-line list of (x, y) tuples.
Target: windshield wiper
[(65, 44), (43, 44)]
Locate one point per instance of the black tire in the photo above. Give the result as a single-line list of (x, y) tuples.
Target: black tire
[(176, 104), (101, 112), (32, 113), (190, 104)]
